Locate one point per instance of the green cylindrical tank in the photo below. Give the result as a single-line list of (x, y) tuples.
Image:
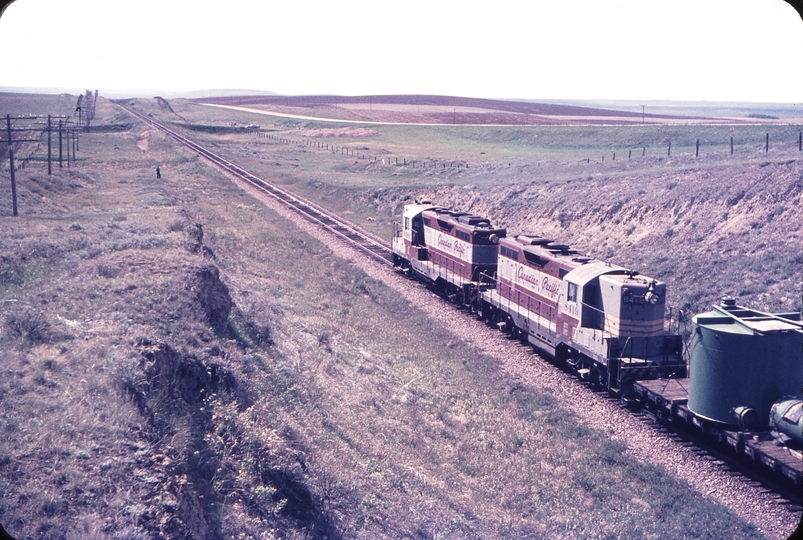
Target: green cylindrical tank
[(742, 361)]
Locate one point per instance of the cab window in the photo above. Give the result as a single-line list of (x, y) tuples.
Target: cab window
[(571, 294)]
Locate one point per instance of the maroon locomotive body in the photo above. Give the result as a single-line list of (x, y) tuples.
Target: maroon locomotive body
[(450, 250), (605, 321)]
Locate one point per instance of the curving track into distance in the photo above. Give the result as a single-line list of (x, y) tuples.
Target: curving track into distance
[(366, 243)]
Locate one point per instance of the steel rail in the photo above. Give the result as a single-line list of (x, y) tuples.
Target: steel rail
[(309, 210)]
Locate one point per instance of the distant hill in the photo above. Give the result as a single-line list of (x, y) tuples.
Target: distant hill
[(691, 108), (521, 107), (220, 92), (431, 109)]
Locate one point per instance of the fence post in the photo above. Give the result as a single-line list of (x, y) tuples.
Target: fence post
[(669, 149), (697, 149), (767, 144), (731, 145)]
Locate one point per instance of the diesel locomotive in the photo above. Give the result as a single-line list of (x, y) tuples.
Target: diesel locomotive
[(604, 321)]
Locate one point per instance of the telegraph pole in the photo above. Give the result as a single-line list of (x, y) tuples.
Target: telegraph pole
[(11, 159), (25, 125), (49, 166), (60, 147)]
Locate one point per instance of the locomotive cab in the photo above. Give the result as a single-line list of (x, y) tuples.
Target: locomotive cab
[(408, 236), (621, 312), (621, 323)]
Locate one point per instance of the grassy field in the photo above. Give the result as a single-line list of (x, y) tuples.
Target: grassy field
[(527, 144), (181, 362)]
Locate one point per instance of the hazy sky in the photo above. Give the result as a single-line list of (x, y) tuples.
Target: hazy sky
[(717, 50)]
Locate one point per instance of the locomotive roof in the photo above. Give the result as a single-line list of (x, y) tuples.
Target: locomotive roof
[(587, 272), (465, 219), (412, 210), (580, 268)]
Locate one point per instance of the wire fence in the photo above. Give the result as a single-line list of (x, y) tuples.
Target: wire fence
[(701, 147)]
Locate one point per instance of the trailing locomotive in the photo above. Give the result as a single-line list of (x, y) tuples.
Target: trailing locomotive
[(450, 250), (604, 321)]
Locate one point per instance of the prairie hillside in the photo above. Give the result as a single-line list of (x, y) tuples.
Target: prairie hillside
[(181, 361)]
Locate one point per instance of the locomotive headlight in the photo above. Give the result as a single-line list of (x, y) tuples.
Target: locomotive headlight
[(494, 239), (651, 297)]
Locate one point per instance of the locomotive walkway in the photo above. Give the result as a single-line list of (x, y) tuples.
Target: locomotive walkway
[(354, 236)]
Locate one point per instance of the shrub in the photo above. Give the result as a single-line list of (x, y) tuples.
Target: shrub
[(11, 271), (108, 271), (176, 226), (29, 324)]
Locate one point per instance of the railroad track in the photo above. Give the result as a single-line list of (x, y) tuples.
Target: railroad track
[(351, 234), (785, 494)]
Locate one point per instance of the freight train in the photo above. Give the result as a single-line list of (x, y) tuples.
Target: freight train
[(606, 324)]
